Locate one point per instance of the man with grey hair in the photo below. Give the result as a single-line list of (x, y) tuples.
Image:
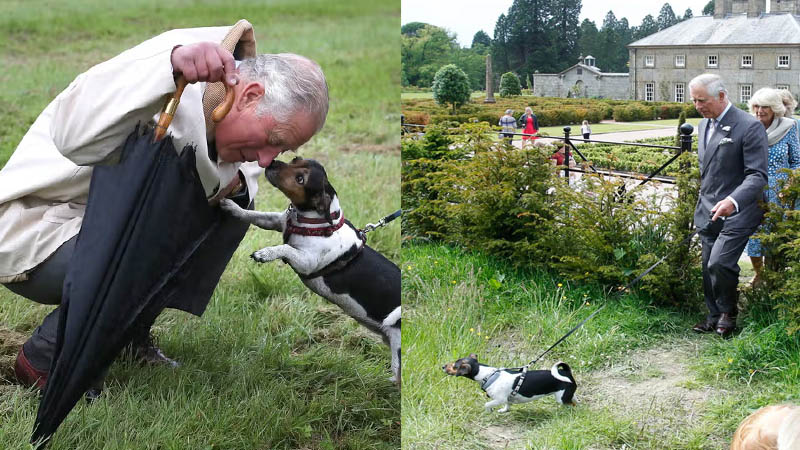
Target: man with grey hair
[(732, 150), (280, 102), (509, 124)]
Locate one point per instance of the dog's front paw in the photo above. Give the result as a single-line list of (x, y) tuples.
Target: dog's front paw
[(229, 206), (503, 409), (263, 255)]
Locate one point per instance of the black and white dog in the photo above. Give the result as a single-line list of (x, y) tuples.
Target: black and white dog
[(327, 252), (499, 383)]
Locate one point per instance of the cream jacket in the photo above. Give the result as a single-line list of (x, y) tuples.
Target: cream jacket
[(45, 184)]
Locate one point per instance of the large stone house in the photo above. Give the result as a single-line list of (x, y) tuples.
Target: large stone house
[(748, 47), (743, 44), (582, 80)]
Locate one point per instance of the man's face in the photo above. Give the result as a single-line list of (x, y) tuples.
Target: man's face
[(708, 106), (244, 136)]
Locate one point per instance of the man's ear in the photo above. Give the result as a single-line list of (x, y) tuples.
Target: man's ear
[(249, 94)]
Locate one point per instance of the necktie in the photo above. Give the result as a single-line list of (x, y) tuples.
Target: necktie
[(712, 124)]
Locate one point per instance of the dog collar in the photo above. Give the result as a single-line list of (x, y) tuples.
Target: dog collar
[(293, 224), (490, 379)]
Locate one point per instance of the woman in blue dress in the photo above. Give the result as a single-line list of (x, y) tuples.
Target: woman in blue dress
[(784, 153)]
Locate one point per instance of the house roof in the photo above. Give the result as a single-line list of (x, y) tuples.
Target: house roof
[(738, 29), (595, 70)]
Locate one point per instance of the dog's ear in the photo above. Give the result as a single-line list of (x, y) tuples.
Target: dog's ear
[(473, 356)]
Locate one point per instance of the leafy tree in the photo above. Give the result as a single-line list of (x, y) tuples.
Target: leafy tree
[(666, 17), (709, 8), (424, 51), (510, 85), (481, 38), (564, 26), (411, 28), (473, 63), (648, 27), (500, 44), (588, 42), (688, 14), (451, 85)]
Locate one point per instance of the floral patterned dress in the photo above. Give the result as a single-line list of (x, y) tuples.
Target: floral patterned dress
[(784, 154)]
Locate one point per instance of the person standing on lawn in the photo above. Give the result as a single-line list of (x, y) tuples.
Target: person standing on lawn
[(509, 124), (732, 152), (529, 124)]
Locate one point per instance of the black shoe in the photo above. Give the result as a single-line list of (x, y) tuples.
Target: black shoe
[(704, 327), (144, 350), (726, 325)]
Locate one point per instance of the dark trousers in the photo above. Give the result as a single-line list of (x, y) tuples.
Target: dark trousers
[(586, 135), (722, 248), (45, 283)]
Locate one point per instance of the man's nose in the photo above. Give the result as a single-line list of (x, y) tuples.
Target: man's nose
[(266, 155)]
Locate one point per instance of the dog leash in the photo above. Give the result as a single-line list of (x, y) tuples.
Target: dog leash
[(518, 382), (362, 232)]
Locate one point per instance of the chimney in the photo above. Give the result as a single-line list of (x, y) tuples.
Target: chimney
[(756, 7), (722, 8)]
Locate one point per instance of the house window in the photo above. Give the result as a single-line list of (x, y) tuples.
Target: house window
[(782, 87), (783, 60), (711, 61), (747, 60), (680, 60), (649, 91), (680, 92), (745, 92), (579, 71), (649, 60)]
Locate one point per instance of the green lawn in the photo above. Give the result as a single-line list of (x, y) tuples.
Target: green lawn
[(644, 380), (269, 365)]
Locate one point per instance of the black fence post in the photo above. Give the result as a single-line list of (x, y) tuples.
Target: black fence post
[(567, 146), (686, 137), (402, 124)]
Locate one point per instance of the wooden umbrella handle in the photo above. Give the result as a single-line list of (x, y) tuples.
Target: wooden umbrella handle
[(168, 111)]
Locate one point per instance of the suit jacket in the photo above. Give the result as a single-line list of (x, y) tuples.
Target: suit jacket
[(734, 164), (45, 184)]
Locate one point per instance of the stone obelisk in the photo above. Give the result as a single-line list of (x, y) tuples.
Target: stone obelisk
[(489, 78)]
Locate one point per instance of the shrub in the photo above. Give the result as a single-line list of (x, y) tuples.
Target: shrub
[(417, 117), (509, 85), (781, 240), (451, 86)]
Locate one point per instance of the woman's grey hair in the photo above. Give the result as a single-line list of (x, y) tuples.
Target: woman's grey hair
[(292, 83), (509, 111), (767, 97), (712, 83), (788, 102)]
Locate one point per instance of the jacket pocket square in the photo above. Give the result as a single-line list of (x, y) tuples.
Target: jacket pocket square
[(725, 141)]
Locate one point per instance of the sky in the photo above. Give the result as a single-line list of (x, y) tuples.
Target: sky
[(467, 17)]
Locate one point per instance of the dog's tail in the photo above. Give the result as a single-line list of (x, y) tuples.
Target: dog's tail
[(561, 371), (392, 320)]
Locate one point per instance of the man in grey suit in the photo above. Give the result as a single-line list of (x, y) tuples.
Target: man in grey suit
[(732, 148)]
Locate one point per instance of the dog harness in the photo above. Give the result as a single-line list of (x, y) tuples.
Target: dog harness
[(488, 381)]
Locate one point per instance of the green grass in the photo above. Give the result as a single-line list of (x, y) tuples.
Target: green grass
[(613, 127), (460, 302), (269, 365)]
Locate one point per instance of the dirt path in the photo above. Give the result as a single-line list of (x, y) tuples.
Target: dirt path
[(653, 387)]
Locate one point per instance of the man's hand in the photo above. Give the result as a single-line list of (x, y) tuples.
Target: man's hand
[(204, 61), (723, 208)]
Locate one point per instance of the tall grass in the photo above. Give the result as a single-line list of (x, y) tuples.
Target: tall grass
[(269, 365), (458, 302)]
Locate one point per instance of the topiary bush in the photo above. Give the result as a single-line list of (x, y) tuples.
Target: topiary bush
[(451, 86), (509, 85)]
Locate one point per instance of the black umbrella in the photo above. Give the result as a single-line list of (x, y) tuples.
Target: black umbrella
[(145, 218)]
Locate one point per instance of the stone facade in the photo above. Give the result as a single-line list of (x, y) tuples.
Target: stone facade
[(748, 48), (582, 80)]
